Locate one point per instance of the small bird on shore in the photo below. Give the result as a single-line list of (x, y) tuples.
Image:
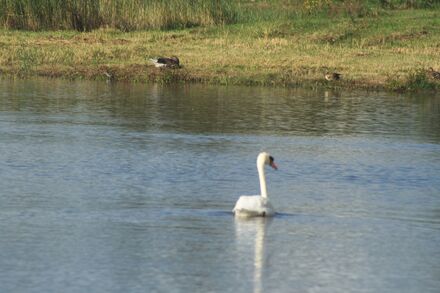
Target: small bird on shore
[(110, 77), (434, 74), (333, 76), (172, 62)]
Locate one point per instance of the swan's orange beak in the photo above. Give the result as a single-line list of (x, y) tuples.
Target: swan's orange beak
[(273, 165)]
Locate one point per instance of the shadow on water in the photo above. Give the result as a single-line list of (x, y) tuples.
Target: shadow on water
[(218, 213)]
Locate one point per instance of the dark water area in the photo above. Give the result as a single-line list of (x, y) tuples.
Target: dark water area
[(130, 188)]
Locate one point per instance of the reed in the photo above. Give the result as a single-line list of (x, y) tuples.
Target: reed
[(127, 15), (130, 15)]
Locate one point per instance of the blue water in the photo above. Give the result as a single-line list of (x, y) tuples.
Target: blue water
[(129, 188)]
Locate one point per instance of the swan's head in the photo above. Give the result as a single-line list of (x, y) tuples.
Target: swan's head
[(266, 159)]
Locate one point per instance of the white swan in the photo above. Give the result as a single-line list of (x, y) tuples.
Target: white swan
[(257, 205)]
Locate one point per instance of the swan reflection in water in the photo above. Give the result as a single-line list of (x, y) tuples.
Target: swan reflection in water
[(250, 234)]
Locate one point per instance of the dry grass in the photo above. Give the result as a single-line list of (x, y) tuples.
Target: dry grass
[(384, 52), (126, 15)]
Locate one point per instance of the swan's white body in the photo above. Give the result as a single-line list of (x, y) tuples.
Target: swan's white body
[(253, 206), (257, 205)]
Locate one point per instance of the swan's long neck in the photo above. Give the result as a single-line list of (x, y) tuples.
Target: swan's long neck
[(262, 177)]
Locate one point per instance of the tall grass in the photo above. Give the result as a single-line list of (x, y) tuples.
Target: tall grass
[(129, 15), (404, 4), (86, 15)]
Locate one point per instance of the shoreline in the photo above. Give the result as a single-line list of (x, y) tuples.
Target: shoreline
[(148, 74), (391, 52), (145, 73)]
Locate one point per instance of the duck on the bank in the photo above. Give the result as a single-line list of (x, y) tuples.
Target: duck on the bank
[(172, 62), (434, 74), (110, 77), (332, 76)]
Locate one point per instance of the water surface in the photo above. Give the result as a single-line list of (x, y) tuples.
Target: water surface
[(129, 188)]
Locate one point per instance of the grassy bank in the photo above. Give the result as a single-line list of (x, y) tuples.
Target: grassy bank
[(268, 43)]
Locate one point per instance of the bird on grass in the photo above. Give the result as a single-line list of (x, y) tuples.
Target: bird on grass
[(434, 74), (172, 62), (332, 76), (110, 77)]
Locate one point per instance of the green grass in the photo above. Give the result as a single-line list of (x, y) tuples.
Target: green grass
[(280, 43)]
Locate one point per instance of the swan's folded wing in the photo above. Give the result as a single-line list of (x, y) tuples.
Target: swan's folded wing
[(253, 206)]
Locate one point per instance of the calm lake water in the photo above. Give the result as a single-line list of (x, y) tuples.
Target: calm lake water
[(129, 188)]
